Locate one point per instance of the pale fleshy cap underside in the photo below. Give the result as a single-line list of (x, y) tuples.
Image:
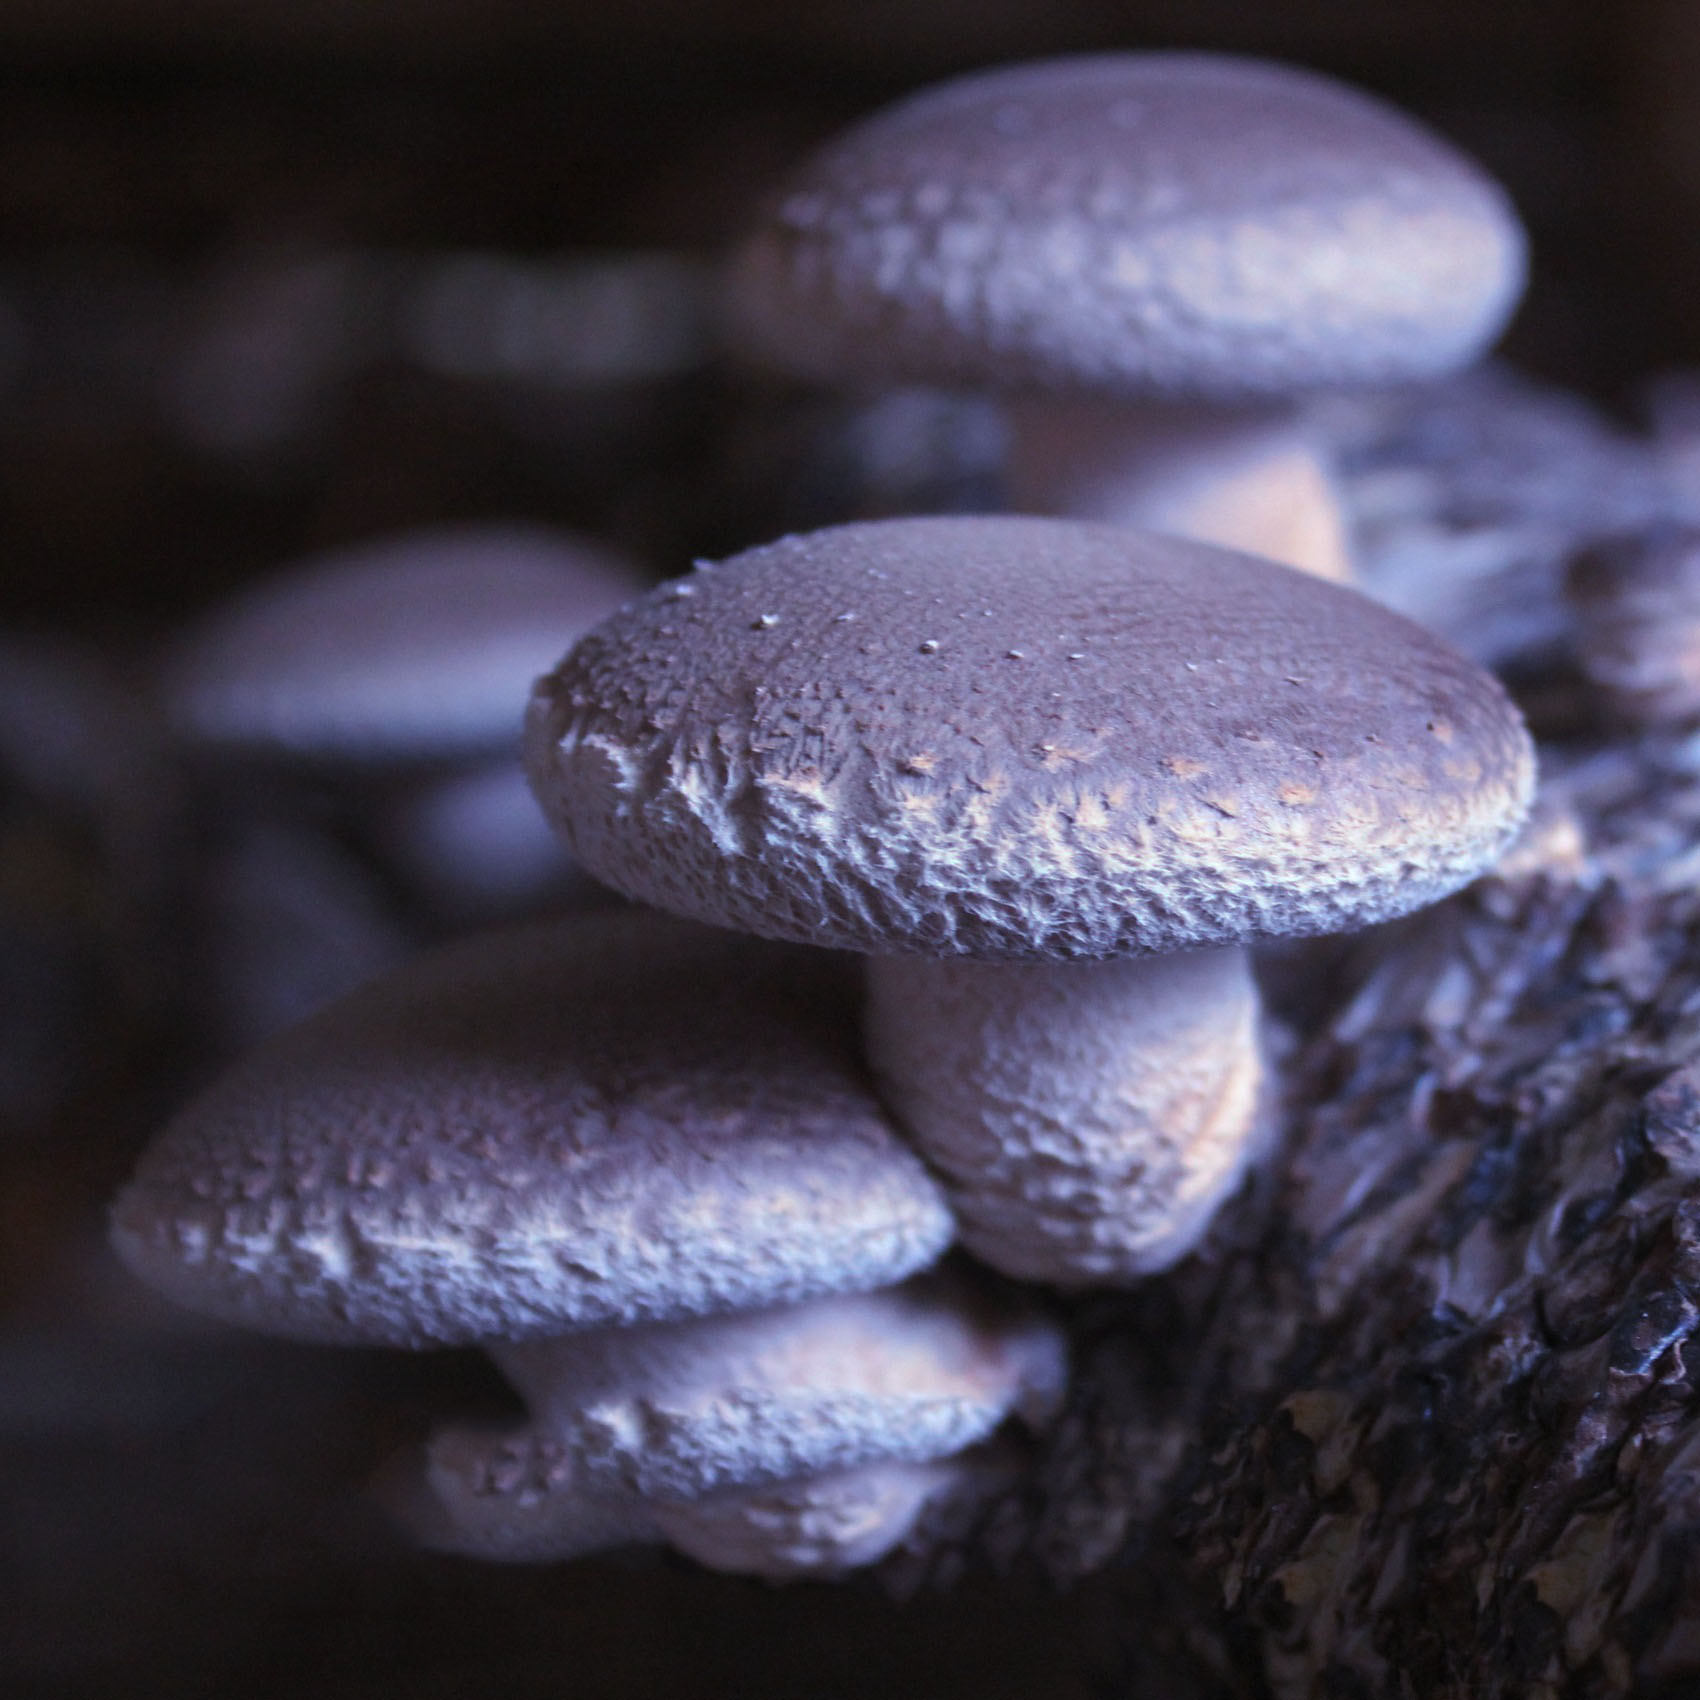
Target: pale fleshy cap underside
[(1017, 739)]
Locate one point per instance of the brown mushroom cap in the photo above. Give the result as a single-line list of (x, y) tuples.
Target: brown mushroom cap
[(613, 1119), (1017, 738), (1172, 222)]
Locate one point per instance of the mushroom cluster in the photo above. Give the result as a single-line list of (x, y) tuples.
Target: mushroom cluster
[(639, 1161), (1051, 779)]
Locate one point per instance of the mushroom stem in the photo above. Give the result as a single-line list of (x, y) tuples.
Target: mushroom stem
[(1243, 478), (1086, 1118)]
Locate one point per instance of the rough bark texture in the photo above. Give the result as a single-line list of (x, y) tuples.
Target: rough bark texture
[(1425, 1420)]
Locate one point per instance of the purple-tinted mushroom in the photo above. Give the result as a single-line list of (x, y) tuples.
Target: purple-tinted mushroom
[(1153, 253), (801, 1440), (1021, 764), (594, 1122)]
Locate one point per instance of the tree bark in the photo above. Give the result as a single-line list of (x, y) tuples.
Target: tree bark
[(1424, 1418)]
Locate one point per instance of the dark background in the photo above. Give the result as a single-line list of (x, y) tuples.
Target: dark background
[(150, 154)]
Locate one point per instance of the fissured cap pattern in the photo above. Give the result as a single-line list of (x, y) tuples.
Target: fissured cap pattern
[(1023, 739), (607, 1120)]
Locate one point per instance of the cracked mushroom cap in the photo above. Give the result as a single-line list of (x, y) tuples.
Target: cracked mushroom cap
[(1181, 223), (607, 1120), (675, 1411), (1023, 739), (416, 648)]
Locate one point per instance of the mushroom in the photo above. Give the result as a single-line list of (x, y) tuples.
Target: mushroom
[(822, 1526), (610, 1119), (1017, 761), (472, 1494), (391, 668), (1154, 252), (808, 1437), (401, 650)]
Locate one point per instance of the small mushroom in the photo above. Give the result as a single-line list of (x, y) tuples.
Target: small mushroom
[(677, 1410), (802, 1438), (1192, 235), (479, 1496), (402, 650), (611, 1119), (1018, 761), (393, 674), (820, 1526)]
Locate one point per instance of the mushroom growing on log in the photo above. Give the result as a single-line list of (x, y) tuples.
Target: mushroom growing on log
[(1053, 779), (1425, 1418)]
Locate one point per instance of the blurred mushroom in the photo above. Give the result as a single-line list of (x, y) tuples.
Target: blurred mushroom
[(1009, 759), (1636, 600), (375, 693), (406, 650), (1203, 236)]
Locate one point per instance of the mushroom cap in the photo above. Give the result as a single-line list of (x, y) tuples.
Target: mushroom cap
[(1175, 222), (674, 1411), (418, 647), (611, 1119), (1023, 739), (493, 1494), (497, 1497), (820, 1526)]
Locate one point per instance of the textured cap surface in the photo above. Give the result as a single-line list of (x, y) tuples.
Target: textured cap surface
[(500, 1497), (1023, 738), (1175, 222), (417, 647), (820, 1526), (679, 1410), (611, 1119)]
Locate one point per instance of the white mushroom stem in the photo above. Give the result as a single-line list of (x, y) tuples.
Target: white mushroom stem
[(1086, 1118), (1249, 479)]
